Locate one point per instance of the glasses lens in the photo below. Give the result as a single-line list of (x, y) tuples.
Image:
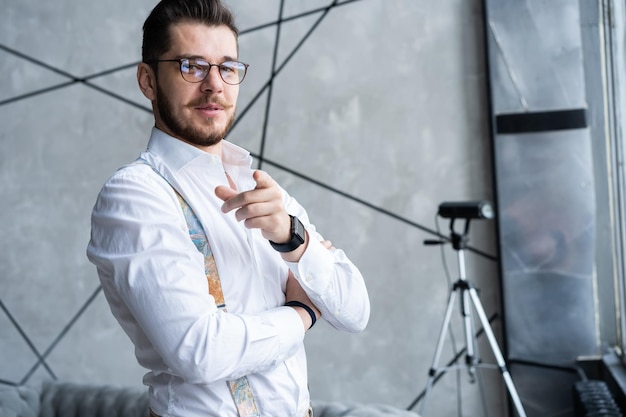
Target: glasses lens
[(196, 70), (193, 70), (232, 72)]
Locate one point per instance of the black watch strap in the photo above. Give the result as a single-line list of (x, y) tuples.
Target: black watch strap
[(297, 237)]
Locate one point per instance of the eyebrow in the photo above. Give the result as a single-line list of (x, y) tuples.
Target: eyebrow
[(224, 58)]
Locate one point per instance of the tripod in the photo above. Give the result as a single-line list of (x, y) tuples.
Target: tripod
[(468, 295)]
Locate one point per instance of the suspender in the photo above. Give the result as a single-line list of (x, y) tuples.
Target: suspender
[(239, 388)]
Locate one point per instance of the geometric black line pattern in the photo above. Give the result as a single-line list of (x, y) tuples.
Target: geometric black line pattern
[(41, 360), (276, 68), (28, 342)]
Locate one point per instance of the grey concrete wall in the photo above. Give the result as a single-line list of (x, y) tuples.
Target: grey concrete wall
[(377, 113)]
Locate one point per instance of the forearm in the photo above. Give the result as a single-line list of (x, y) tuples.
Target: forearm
[(296, 298)]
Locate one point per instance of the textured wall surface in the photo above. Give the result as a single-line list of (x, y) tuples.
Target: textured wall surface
[(370, 112)]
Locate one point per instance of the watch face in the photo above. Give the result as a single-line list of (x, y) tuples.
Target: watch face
[(298, 230)]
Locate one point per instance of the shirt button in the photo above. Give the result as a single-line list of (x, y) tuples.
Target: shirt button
[(308, 278)]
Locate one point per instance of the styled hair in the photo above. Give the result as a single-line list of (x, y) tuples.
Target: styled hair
[(156, 28)]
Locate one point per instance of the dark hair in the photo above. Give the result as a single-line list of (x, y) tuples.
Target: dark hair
[(156, 33)]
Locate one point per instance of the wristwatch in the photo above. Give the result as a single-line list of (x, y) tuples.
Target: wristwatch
[(297, 237)]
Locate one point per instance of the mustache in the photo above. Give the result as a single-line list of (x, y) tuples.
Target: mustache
[(210, 100)]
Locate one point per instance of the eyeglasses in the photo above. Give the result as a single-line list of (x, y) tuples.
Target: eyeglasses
[(196, 70)]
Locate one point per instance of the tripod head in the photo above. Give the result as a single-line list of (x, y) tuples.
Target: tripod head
[(467, 210)]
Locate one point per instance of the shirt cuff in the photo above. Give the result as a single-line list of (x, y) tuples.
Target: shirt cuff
[(287, 325), (315, 266)]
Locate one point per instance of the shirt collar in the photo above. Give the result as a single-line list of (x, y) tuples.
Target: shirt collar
[(176, 153)]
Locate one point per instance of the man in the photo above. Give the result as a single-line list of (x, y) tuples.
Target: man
[(276, 273)]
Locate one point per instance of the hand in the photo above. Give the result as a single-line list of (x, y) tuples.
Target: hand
[(294, 292), (260, 208), (328, 244)]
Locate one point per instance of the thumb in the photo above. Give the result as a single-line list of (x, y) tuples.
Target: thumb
[(224, 193)]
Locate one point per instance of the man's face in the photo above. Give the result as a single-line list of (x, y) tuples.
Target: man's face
[(197, 113)]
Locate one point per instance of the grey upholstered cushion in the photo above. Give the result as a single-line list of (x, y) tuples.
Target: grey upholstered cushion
[(19, 401), (62, 399), (75, 400)]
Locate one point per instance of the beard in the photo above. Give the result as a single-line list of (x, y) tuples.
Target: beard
[(184, 130)]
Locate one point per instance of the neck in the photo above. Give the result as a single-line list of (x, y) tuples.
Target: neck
[(212, 149), (215, 149)]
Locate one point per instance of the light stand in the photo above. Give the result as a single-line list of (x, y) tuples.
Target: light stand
[(468, 296)]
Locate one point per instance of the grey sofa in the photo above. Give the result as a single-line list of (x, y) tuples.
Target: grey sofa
[(63, 399)]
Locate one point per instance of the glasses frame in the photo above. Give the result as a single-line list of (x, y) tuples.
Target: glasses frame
[(210, 65)]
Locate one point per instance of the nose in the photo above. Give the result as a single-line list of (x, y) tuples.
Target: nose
[(213, 81)]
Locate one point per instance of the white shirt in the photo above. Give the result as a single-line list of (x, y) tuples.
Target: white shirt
[(153, 278)]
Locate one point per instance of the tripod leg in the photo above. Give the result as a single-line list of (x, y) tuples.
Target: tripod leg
[(468, 326), (432, 373), (472, 358), (493, 343)]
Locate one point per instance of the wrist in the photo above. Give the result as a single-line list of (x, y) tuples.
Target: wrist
[(306, 308), (297, 237)]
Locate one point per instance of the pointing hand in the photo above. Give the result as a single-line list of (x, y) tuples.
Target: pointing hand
[(259, 208)]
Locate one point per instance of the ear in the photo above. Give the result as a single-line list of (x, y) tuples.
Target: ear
[(147, 81)]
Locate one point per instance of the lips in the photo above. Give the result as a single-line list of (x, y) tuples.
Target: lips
[(210, 107)]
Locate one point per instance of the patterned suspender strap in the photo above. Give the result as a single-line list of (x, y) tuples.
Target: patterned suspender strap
[(239, 388)]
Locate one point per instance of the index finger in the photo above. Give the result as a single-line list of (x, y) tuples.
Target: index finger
[(257, 195), (262, 179)]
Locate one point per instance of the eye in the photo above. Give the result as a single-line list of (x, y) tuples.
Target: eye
[(192, 66), (228, 67)]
